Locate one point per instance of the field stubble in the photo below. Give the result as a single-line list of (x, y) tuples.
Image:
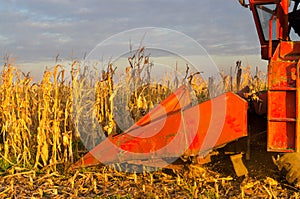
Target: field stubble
[(40, 139)]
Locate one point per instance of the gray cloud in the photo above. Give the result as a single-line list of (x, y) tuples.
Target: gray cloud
[(39, 29)]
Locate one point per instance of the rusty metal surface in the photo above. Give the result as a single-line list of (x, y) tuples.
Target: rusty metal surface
[(283, 97), (175, 132)]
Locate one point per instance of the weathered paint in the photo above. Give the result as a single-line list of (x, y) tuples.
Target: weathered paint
[(175, 132), (283, 98)]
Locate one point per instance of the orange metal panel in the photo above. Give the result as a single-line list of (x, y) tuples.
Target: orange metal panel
[(283, 98), (262, 1), (281, 136), (282, 104), (289, 50), (190, 131)]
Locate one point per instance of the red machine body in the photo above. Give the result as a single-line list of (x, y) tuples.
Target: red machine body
[(273, 27), (174, 128)]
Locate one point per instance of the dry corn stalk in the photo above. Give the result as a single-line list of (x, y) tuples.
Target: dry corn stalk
[(38, 123)]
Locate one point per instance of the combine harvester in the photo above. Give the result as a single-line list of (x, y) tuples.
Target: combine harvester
[(175, 128)]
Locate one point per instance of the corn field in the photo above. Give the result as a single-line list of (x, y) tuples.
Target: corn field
[(38, 127), (41, 134)]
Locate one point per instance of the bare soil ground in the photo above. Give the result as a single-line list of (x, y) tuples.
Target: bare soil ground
[(264, 180)]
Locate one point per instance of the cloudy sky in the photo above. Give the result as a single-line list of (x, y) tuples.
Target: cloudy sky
[(35, 31)]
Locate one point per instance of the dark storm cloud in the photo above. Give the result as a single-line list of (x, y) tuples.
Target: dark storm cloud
[(41, 29)]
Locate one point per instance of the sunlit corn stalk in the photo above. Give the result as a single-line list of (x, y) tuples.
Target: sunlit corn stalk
[(199, 87), (75, 95), (238, 75), (211, 87), (68, 126), (226, 82), (8, 118), (111, 123), (83, 102), (142, 92), (24, 114), (77, 87), (57, 117), (44, 119), (67, 133), (104, 100), (74, 98), (259, 81), (246, 77), (34, 105), (15, 115)]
